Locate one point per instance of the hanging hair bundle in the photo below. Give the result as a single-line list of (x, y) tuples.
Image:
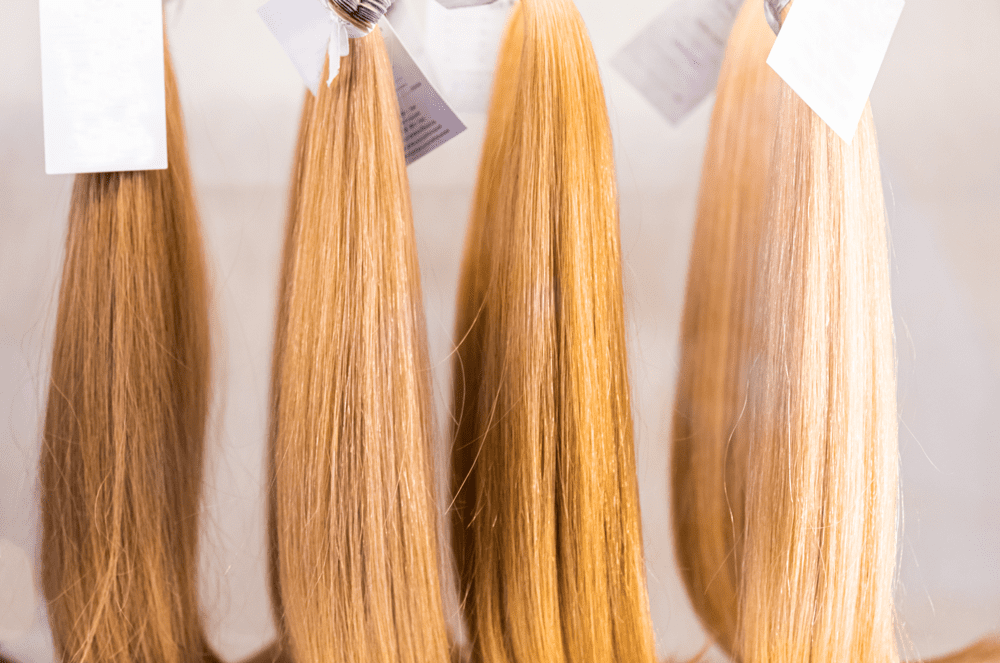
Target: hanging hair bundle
[(546, 524), (708, 461), (121, 462), (352, 534), (821, 478)]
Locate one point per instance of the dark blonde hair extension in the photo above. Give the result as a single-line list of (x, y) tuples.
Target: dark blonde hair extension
[(708, 460), (546, 520), (353, 524), (121, 462)]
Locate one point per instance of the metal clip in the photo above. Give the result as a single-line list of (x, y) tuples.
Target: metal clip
[(363, 14), (772, 11)]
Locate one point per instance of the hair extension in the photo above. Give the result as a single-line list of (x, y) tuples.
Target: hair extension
[(821, 479), (121, 463), (791, 356), (353, 542), (709, 451), (546, 524)]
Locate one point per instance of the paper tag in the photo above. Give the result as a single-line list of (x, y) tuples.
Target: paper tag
[(675, 61), (452, 4), (303, 28), (462, 46), (428, 122), (829, 52), (103, 97), (17, 592)]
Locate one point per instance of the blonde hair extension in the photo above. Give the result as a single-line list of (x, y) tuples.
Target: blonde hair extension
[(353, 538), (123, 444), (821, 481), (708, 460), (546, 521), (785, 450)]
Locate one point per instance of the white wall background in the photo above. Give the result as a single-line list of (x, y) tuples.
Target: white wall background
[(937, 106)]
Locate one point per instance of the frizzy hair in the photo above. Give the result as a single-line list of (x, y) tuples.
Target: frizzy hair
[(708, 459), (546, 525), (352, 527), (123, 441)]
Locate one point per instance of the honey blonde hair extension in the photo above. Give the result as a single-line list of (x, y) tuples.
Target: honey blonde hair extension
[(352, 533), (708, 460), (123, 443), (546, 524)]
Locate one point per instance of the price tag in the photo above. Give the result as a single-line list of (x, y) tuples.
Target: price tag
[(462, 46), (303, 27), (829, 52), (103, 98), (675, 60)]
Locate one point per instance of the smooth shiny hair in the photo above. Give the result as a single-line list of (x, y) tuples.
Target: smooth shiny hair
[(353, 543), (124, 432), (709, 449), (546, 526)]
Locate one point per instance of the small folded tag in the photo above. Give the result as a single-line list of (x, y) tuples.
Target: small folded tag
[(305, 32), (462, 47), (304, 29), (675, 60), (829, 52), (103, 98)]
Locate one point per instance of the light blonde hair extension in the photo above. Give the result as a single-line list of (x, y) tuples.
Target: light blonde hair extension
[(123, 443), (818, 570), (546, 520), (352, 532), (821, 481), (708, 461)]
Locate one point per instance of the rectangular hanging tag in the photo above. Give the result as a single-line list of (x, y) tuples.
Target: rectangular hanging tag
[(462, 46), (428, 121), (302, 27), (675, 60), (829, 52), (452, 4), (103, 96)]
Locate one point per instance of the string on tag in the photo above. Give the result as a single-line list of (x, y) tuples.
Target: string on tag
[(350, 19)]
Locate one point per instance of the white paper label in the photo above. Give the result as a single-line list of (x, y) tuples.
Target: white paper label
[(103, 99), (452, 4), (428, 122), (303, 28), (675, 60), (462, 46), (829, 52), (17, 592)]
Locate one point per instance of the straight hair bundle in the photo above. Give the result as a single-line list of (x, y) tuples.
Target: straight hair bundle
[(546, 525), (353, 550), (123, 443), (709, 457)]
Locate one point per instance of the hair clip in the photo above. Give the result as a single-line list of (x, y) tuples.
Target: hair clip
[(363, 14)]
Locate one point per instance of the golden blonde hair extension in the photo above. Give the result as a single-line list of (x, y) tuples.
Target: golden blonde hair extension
[(546, 521), (353, 539), (121, 463), (708, 461)]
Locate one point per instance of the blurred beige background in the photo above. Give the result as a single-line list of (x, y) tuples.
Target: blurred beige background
[(937, 106)]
